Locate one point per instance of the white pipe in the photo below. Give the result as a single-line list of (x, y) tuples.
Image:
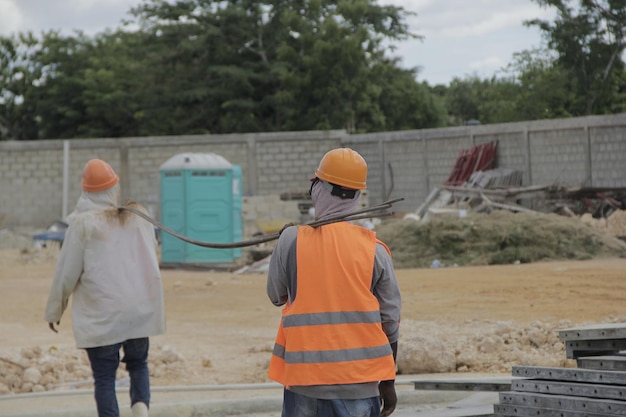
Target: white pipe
[(66, 168)]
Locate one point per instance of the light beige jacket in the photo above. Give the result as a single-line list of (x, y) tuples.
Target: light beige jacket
[(108, 263)]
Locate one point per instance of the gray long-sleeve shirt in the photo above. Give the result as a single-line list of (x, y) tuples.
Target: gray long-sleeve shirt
[(282, 287)]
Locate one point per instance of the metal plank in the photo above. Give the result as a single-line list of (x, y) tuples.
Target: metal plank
[(613, 392), (570, 374), (505, 410), (594, 332), (564, 402), (480, 411), (577, 348), (603, 362), (464, 384)]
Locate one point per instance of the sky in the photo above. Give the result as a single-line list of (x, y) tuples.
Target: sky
[(461, 38)]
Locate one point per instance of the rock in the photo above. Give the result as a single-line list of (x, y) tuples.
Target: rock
[(31, 353), (32, 375), (4, 389), (422, 355)]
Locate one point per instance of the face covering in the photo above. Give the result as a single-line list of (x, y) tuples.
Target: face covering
[(99, 200), (327, 205)]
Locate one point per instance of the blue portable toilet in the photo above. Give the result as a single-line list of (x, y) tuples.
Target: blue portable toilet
[(199, 200), (237, 209)]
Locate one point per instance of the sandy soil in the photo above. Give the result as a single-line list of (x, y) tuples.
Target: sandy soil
[(221, 326)]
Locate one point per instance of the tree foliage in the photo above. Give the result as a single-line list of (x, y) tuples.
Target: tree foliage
[(208, 66), (225, 66), (589, 40), (543, 88), (19, 77)]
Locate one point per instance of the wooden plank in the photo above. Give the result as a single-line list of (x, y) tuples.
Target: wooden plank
[(613, 392), (464, 384), (606, 362), (570, 375), (594, 332), (577, 348), (506, 410), (563, 402)]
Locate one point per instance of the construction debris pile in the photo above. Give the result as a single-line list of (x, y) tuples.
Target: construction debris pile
[(501, 237), (483, 215)]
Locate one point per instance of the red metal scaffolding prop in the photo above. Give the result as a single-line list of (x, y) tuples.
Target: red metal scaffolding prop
[(480, 158)]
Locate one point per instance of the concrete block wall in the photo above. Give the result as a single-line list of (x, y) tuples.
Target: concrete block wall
[(404, 170), (408, 164), (260, 212), (608, 156), (31, 180), (286, 165), (442, 156), (559, 157)]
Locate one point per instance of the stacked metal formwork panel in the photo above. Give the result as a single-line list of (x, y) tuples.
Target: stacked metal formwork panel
[(595, 388)]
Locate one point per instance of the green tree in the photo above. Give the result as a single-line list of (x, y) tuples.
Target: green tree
[(489, 100), (589, 41), (19, 76), (544, 88), (405, 103), (273, 65), (462, 100), (209, 66)]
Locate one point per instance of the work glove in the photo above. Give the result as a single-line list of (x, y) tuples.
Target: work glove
[(388, 397), (51, 326)]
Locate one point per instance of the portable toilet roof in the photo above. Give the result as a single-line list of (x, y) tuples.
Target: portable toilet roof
[(196, 161)]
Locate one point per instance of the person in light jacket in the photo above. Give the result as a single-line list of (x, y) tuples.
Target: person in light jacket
[(337, 341), (108, 264)]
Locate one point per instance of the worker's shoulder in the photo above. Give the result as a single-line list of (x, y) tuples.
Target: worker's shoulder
[(289, 234), (382, 250)]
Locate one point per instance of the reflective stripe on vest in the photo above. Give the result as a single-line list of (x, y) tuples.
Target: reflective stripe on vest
[(339, 317), (332, 336), (325, 356)]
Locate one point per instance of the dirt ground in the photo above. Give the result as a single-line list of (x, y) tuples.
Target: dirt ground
[(221, 326)]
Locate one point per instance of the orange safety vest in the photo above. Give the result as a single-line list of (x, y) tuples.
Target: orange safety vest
[(332, 332)]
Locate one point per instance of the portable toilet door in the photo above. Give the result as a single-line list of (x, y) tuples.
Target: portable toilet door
[(197, 202), (237, 209), (172, 214)]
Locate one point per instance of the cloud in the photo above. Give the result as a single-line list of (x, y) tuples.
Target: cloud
[(463, 38), (471, 21), (10, 17), (90, 16), (489, 63)]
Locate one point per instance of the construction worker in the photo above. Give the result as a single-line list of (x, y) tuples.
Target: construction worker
[(337, 341), (108, 263)]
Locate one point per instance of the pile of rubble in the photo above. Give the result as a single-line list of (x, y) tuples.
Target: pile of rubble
[(427, 347), (479, 346), (36, 369)]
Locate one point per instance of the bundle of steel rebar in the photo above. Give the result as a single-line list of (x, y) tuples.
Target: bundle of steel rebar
[(366, 213)]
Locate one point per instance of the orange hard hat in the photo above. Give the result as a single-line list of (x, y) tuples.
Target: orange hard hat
[(98, 176), (344, 167)]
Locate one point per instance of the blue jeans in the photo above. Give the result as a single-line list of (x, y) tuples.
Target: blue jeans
[(297, 405), (104, 362)]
